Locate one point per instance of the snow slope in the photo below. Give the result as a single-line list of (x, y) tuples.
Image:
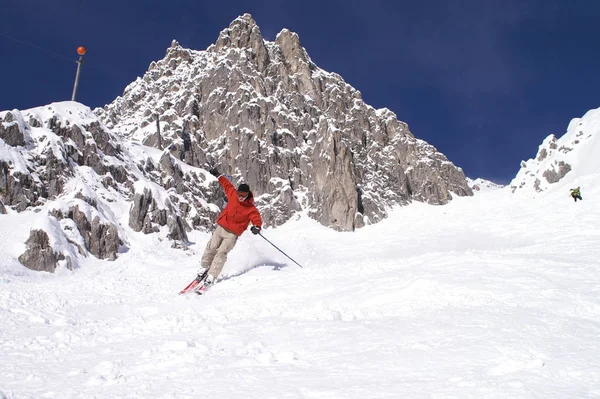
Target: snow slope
[(493, 296)]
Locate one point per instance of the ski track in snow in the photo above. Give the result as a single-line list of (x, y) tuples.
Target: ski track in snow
[(487, 297)]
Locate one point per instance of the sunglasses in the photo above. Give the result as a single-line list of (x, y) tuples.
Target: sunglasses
[(241, 194)]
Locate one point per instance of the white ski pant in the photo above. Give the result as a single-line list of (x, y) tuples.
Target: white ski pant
[(215, 254)]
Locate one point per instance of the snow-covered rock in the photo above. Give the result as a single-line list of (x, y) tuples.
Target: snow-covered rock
[(63, 163), (482, 185), (575, 154)]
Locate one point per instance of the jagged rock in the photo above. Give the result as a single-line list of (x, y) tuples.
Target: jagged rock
[(10, 131), (138, 212), (334, 183), (172, 171), (101, 239), (176, 228), (243, 33), (146, 215), (543, 153), (57, 173), (20, 190), (2, 208), (39, 255), (553, 176), (269, 204)]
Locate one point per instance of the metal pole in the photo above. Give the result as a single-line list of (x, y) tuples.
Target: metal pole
[(79, 62), (280, 250)]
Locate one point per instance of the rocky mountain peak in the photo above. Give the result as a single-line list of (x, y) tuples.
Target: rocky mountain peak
[(293, 52), (243, 32), (300, 136)]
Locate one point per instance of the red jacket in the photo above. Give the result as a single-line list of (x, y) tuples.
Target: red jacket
[(237, 215)]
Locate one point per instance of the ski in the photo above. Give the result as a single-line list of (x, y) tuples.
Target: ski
[(190, 286), (200, 290), (194, 284)]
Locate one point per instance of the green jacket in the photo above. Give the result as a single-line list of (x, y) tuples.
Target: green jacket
[(575, 192)]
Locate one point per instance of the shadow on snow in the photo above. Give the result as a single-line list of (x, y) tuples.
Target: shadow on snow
[(275, 266)]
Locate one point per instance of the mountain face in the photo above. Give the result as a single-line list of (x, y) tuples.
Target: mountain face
[(261, 112), (301, 137), (576, 153), (91, 188)]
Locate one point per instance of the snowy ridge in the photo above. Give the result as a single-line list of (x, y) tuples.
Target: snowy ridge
[(482, 185), (564, 159)]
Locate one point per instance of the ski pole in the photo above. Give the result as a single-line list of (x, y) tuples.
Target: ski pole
[(279, 250)]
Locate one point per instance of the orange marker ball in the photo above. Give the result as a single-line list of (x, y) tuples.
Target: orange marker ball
[(81, 50)]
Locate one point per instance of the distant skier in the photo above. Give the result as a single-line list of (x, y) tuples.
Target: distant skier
[(231, 223), (576, 194)]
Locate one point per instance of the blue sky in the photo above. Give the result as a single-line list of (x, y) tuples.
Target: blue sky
[(482, 80)]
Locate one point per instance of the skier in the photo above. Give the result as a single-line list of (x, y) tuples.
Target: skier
[(231, 223), (576, 194)]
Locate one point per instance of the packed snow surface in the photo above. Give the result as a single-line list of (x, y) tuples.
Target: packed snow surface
[(493, 296)]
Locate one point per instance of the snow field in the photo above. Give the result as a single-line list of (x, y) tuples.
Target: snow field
[(493, 296)]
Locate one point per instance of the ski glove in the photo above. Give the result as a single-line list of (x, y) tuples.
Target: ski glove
[(214, 172), (255, 229)]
